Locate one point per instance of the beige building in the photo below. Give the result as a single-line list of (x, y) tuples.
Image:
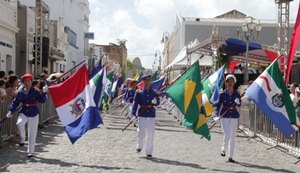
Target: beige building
[(116, 57), (58, 45), (25, 40)]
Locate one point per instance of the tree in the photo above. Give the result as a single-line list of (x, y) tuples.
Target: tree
[(222, 57), (122, 42)]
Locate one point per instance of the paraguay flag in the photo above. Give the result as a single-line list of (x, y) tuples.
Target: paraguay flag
[(74, 104), (270, 94)]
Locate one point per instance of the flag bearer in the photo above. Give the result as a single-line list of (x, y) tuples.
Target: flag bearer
[(27, 98), (146, 99), (228, 101)]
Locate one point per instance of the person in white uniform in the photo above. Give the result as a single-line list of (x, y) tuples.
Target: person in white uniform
[(146, 99), (226, 107)]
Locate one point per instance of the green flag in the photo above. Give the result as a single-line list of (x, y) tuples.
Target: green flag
[(107, 89), (187, 96), (155, 75)]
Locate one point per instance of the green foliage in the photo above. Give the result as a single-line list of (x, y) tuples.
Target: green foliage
[(222, 57)]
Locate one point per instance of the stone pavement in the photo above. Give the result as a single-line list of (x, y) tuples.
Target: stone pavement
[(108, 149)]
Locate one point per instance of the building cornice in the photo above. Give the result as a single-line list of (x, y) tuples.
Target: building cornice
[(9, 27)]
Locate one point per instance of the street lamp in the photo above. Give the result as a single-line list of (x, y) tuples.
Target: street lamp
[(248, 28)]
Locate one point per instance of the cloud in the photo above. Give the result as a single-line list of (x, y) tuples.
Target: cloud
[(142, 22)]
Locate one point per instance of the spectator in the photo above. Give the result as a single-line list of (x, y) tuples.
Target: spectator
[(297, 98), (2, 74), (11, 73), (293, 93), (3, 93)]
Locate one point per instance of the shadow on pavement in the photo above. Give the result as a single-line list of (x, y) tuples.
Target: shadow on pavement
[(15, 154), (263, 167), (173, 162), (67, 164)]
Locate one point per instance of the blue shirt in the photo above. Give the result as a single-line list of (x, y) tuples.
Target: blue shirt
[(226, 102), (29, 102), (144, 99), (129, 95)]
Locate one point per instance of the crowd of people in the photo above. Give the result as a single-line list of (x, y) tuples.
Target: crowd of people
[(295, 97)]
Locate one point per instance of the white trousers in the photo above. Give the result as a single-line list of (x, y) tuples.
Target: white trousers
[(130, 110), (33, 123), (229, 127), (146, 127)]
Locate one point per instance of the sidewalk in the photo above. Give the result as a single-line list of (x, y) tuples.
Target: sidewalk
[(108, 149)]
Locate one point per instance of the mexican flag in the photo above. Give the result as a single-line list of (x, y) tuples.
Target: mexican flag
[(270, 94), (187, 96), (75, 106), (211, 88)]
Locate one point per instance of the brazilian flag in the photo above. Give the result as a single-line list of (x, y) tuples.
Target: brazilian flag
[(187, 96)]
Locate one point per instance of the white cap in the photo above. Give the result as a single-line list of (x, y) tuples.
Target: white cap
[(146, 73), (231, 76)]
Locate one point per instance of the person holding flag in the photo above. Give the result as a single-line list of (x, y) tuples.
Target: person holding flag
[(228, 101), (146, 98), (27, 97)]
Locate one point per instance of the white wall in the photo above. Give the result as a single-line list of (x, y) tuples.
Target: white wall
[(72, 13), (8, 30)]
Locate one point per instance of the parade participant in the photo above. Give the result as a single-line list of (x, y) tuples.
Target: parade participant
[(27, 97), (130, 95), (228, 101), (146, 99)]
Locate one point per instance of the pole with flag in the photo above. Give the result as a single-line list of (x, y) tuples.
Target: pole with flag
[(211, 88), (186, 93), (293, 46), (74, 104), (270, 94)]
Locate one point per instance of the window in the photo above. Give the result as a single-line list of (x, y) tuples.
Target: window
[(71, 37)]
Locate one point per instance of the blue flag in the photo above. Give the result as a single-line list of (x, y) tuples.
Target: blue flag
[(156, 85)]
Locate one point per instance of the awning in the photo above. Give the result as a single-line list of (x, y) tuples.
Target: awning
[(181, 59), (236, 48)]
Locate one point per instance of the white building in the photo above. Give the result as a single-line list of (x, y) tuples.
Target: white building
[(227, 25), (95, 52), (8, 30), (75, 17)]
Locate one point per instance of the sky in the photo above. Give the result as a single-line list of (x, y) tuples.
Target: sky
[(143, 22)]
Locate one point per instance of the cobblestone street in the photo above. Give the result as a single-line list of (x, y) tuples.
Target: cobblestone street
[(108, 149)]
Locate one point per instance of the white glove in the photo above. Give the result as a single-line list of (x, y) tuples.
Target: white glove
[(45, 89), (154, 101), (237, 101), (9, 114), (216, 118), (133, 118)]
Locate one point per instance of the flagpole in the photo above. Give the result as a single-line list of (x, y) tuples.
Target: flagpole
[(4, 119), (234, 104), (52, 82)]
